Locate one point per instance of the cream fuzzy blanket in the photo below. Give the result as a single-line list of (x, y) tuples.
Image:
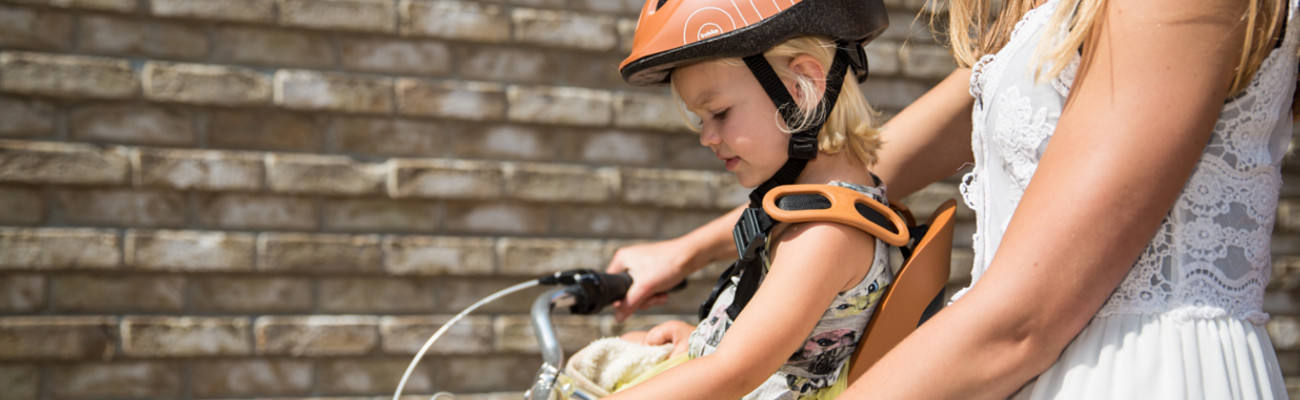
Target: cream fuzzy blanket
[(606, 364)]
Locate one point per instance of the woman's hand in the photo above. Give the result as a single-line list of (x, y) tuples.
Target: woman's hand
[(676, 332)]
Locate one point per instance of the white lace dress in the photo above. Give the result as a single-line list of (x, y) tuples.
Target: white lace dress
[(1186, 322)]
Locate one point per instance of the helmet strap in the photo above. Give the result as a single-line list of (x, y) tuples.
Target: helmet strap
[(803, 143)]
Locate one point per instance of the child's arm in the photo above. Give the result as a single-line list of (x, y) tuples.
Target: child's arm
[(814, 263)]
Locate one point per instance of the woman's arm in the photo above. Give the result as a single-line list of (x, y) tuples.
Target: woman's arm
[(928, 141), (808, 270), (1151, 84)]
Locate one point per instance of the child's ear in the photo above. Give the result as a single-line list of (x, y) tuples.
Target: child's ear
[(807, 66)]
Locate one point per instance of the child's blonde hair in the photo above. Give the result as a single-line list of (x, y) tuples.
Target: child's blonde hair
[(851, 125)]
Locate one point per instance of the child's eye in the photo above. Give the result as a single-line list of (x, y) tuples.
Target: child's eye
[(720, 115)]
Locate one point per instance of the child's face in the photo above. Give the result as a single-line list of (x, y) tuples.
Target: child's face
[(737, 120)]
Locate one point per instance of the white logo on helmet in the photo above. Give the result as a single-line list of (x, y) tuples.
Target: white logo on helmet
[(704, 24)]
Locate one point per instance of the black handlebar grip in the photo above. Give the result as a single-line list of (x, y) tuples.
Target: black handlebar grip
[(592, 290)]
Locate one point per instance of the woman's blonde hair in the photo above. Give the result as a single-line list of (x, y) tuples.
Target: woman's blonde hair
[(851, 124), (977, 27)]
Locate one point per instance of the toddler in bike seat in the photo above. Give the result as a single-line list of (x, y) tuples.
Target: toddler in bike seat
[(772, 89)]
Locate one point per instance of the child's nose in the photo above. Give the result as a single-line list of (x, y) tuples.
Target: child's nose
[(708, 137)]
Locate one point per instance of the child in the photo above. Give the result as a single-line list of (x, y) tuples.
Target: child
[(818, 282)]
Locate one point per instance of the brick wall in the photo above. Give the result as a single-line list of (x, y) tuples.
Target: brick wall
[(284, 198)]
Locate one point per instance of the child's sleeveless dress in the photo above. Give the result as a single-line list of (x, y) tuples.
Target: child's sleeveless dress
[(822, 362), (1186, 323)]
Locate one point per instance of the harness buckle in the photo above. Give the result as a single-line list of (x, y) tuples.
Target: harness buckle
[(750, 231), (803, 147)]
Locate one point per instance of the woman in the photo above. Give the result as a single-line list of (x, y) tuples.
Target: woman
[(1127, 158)]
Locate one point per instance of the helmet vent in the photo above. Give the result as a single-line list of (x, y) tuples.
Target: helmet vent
[(660, 5)]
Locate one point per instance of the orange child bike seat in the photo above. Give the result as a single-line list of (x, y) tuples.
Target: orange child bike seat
[(917, 284)]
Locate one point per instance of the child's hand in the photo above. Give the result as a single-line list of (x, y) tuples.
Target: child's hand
[(655, 268), (676, 332)]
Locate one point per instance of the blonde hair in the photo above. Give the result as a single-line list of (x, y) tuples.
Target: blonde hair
[(975, 30), (851, 124)]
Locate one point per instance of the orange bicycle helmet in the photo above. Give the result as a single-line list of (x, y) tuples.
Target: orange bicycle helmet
[(676, 32)]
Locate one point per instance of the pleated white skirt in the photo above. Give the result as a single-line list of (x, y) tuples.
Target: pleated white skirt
[(1160, 357)]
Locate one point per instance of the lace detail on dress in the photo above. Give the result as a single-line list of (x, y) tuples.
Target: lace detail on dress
[(1210, 256)]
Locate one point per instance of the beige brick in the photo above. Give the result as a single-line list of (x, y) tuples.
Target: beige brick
[(399, 56), (133, 123), (138, 208), (892, 94), (21, 205), (197, 169), (593, 70), (256, 211), (621, 7), (118, 293), (675, 223), (882, 58), (319, 253), (564, 29), (21, 117), (656, 111), (907, 26), (390, 136), (67, 76), (20, 382), (227, 10), (668, 188), (129, 36), (509, 64), (322, 335), (266, 130), (605, 221), (926, 61), (252, 294), (497, 218), (559, 183), (382, 215), (56, 338), (433, 255), (1288, 215), (346, 15), (473, 373), (21, 293), (730, 192), (684, 151), (446, 179), (105, 5), (190, 251), (1284, 330), (59, 248), (455, 294), (615, 147), (559, 105), (515, 332), (375, 295), (128, 379), (626, 31), (536, 257), (309, 90), (460, 20), (370, 376), (475, 101), (251, 377), (515, 142), (405, 335), (205, 84), (271, 47), (323, 174), (35, 29), (185, 336)]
